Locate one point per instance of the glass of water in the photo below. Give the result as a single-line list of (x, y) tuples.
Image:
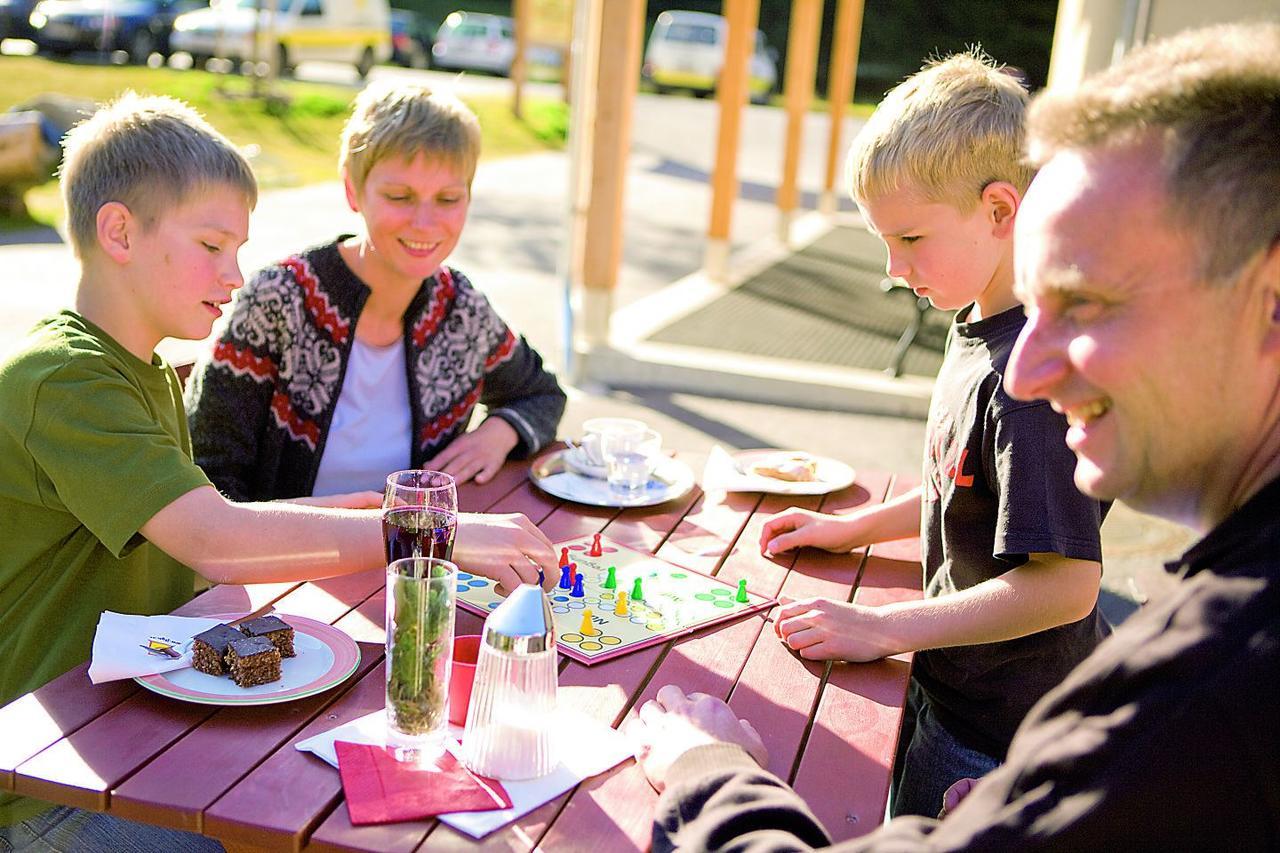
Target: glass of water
[(630, 455)]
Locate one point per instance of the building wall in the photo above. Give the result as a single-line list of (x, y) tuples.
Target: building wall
[(1090, 34)]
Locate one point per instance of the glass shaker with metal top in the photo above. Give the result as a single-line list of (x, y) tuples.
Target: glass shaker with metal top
[(510, 721)]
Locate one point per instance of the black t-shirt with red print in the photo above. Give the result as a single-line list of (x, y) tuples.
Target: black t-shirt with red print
[(997, 486)]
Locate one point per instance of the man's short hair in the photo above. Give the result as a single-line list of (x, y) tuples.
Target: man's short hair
[(1212, 98), (148, 152), (404, 120), (946, 132)]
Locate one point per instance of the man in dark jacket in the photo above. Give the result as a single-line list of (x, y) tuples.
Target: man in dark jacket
[(1149, 261)]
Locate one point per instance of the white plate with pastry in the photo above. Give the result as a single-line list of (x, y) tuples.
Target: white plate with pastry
[(779, 472)]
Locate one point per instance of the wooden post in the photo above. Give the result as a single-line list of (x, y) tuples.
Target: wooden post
[(840, 82), (614, 51), (802, 56), (731, 95), (519, 67)]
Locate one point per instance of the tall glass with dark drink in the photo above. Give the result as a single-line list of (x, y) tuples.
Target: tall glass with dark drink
[(419, 515)]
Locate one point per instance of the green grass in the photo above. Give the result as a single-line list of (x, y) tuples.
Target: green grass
[(292, 140)]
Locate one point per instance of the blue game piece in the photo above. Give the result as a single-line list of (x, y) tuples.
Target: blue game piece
[(577, 588), (564, 577), (542, 577)]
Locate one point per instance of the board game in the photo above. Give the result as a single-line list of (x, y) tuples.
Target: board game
[(598, 613)]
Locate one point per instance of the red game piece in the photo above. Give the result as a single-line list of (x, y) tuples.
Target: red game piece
[(564, 557), (573, 572), (595, 547)]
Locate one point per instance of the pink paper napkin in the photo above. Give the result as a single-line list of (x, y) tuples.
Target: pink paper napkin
[(380, 789)]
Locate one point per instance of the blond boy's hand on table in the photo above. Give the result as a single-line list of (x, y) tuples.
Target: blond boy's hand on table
[(797, 528)]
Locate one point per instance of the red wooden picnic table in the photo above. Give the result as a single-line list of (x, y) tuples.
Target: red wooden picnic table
[(233, 773)]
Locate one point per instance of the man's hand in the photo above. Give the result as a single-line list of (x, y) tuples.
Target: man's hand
[(506, 548), (673, 723), (348, 500), (479, 453), (822, 629), (796, 528)]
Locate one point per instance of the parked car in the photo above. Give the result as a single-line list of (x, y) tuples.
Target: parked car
[(15, 18), (411, 38), (139, 27), (686, 51), (351, 31), (475, 41)]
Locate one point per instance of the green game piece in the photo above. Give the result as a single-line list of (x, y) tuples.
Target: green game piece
[(637, 594), (742, 592), (611, 582)]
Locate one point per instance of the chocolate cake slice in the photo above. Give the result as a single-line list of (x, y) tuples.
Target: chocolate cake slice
[(275, 629), (253, 660), (209, 649)]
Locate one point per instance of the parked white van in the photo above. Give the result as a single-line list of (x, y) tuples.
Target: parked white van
[(350, 31), (686, 51)]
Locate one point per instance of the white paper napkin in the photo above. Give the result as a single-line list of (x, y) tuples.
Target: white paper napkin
[(722, 474), (119, 640), (586, 747)]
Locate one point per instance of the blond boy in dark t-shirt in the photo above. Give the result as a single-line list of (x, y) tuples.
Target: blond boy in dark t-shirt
[(1011, 548)]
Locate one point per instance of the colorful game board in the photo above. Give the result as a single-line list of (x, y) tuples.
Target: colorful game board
[(674, 600)]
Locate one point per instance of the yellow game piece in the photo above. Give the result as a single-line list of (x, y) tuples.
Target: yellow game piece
[(620, 609), (588, 629)]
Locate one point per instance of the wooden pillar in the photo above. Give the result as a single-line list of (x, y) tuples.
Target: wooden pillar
[(614, 38), (732, 91), (519, 65), (802, 57), (840, 82)]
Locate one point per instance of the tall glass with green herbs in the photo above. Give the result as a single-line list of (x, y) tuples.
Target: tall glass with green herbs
[(420, 612)]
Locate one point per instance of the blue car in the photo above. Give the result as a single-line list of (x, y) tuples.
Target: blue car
[(138, 27)]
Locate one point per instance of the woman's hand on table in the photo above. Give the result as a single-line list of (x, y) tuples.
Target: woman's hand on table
[(672, 723), (477, 454), (823, 629), (506, 548)]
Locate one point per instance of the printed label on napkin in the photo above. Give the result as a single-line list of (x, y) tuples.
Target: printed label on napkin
[(125, 646)]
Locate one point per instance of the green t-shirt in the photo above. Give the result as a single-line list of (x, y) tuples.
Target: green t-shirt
[(93, 443)]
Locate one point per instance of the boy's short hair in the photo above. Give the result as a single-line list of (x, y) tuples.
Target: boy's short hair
[(1212, 98), (945, 132), (148, 152), (406, 119)]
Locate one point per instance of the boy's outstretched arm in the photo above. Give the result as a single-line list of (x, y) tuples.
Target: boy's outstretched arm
[(1047, 591), (229, 542), (795, 528)]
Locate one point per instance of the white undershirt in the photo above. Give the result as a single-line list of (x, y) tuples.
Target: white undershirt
[(370, 433)]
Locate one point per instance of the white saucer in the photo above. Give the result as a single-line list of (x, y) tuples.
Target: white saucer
[(553, 474)]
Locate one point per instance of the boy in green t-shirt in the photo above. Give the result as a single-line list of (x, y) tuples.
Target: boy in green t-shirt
[(101, 506)]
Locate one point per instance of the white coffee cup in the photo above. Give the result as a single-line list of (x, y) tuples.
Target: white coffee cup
[(594, 428)]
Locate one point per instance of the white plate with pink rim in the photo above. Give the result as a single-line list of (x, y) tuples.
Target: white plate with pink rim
[(324, 658)]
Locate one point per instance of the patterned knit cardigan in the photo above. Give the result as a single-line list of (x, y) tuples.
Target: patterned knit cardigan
[(261, 403)]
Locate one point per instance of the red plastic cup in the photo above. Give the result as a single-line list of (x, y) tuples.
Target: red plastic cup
[(466, 648)]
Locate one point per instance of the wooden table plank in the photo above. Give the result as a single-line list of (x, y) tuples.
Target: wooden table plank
[(176, 788), (856, 724), (51, 713), (277, 803), (81, 769)]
